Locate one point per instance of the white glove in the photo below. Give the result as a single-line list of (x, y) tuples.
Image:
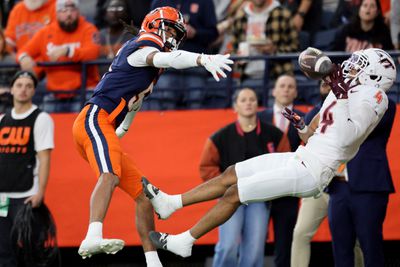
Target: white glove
[(216, 64), (121, 131), (123, 128)]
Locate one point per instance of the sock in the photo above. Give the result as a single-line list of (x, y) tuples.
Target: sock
[(152, 259), (181, 244), (176, 201), (187, 237), (95, 230)]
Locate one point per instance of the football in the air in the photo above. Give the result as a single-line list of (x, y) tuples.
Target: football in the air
[(314, 63)]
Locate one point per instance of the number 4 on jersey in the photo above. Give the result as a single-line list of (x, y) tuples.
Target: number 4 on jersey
[(327, 117)]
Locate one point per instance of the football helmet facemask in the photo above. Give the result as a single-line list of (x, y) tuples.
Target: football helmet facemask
[(372, 67), (159, 20)]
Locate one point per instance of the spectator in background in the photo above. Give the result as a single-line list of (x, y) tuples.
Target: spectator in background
[(395, 23), (306, 14), (283, 210), (6, 75), (264, 27), (24, 166), (225, 17), (114, 35), (189, 85), (26, 18), (70, 38), (366, 30), (242, 238), (358, 202)]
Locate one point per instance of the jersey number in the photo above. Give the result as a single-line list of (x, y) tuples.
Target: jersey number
[(327, 117), (378, 96)]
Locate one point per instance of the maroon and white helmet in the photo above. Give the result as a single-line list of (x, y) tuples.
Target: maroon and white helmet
[(373, 67)]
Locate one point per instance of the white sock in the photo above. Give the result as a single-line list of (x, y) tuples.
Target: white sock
[(95, 230), (176, 201), (152, 259), (181, 244)]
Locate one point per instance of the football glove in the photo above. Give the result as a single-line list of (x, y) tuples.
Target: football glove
[(294, 118), (336, 81), (216, 64)]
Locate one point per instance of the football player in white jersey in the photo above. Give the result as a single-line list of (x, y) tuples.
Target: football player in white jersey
[(354, 107)]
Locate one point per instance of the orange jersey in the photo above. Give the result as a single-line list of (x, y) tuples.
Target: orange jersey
[(83, 46), (22, 23)]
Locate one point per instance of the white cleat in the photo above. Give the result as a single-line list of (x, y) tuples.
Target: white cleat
[(90, 247), (158, 199)]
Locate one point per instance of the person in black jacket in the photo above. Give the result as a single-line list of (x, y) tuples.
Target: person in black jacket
[(358, 203), (242, 237)]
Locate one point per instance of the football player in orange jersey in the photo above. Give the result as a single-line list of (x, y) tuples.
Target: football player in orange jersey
[(109, 113)]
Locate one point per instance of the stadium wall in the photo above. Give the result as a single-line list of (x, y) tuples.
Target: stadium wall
[(167, 147)]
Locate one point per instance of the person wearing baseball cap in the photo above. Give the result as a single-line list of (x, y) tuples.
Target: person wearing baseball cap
[(70, 38)]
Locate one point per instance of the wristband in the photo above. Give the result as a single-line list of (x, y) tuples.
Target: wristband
[(304, 130)]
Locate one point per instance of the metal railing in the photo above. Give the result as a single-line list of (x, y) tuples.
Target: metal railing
[(230, 83)]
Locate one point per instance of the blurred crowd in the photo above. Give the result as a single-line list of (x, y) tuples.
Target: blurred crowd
[(54, 32)]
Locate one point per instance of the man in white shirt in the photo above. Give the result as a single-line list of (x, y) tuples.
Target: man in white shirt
[(283, 210), (26, 142)]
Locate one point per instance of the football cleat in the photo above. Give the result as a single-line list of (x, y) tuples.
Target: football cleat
[(90, 247), (158, 199), (159, 239)]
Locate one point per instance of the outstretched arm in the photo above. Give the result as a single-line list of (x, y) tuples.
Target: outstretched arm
[(181, 59)]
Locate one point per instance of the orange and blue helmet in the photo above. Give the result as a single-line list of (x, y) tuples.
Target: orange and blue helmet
[(158, 19)]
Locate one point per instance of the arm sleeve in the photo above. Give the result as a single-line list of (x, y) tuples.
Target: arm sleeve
[(126, 123), (89, 49), (139, 57), (209, 162), (179, 59), (354, 125), (44, 132)]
